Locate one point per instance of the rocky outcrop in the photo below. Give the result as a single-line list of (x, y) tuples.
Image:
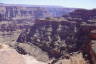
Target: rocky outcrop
[(56, 38), (9, 55), (32, 50), (92, 51), (83, 15), (74, 59)]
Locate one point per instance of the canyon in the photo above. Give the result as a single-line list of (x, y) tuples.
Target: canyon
[(49, 34)]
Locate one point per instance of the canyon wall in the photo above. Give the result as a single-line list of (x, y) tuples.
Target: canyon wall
[(16, 12)]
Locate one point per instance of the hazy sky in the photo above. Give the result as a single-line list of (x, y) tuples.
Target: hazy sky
[(89, 4)]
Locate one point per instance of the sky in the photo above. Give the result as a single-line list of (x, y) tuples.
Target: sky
[(87, 4)]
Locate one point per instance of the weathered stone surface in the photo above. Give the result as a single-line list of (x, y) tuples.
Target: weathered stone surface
[(92, 51), (33, 50), (75, 59), (32, 60), (10, 56)]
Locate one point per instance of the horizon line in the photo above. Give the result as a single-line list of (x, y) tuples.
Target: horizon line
[(29, 5)]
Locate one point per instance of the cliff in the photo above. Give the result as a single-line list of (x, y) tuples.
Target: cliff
[(56, 38), (59, 39), (15, 12)]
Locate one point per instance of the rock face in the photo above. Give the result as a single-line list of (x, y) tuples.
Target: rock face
[(21, 12), (32, 50), (92, 51), (84, 14), (56, 38), (75, 59)]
